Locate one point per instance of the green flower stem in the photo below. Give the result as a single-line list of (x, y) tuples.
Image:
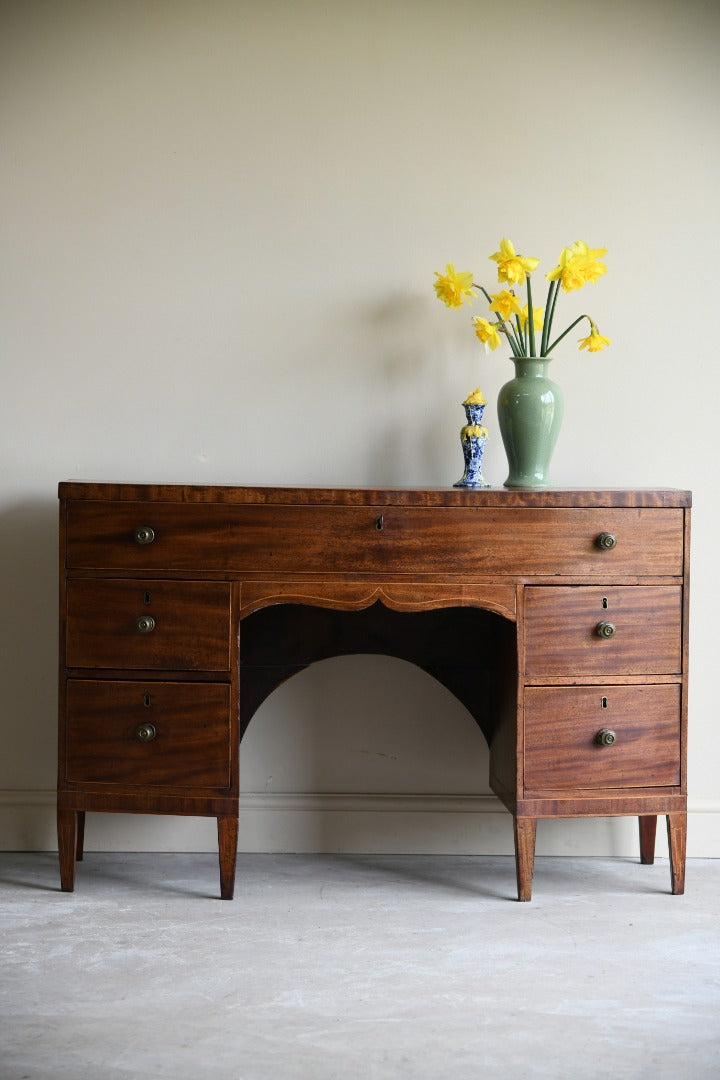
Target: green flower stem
[(531, 320), (522, 338), (549, 312), (512, 338), (570, 327), (507, 328), (543, 339), (552, 309)]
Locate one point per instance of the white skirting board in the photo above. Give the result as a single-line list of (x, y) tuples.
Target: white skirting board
[(374, 824)]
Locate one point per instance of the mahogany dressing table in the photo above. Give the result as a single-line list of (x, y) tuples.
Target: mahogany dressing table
[(559, 618)]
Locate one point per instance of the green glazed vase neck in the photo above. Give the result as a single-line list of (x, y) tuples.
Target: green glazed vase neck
[(529, 366)]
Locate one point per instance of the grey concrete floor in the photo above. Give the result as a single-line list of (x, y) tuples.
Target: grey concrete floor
[(357, 967)]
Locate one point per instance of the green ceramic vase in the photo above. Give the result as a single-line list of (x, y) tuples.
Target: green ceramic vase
[(530, 411)]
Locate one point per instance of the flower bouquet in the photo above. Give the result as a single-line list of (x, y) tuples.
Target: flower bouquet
[(524, 325), (530, 406)]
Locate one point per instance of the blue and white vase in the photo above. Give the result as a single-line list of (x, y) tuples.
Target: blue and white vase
[(473, 437)]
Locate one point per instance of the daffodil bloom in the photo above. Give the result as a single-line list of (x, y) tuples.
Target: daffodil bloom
[(505, 303), (511, 266), (476, 398), (538, 317), (486, 331), (454, 285), (569, 272), (578, 265), (592, 267), (595, 341)]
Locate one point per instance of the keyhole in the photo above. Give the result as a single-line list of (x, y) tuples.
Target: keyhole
[(380, 523), (147, 598), (603, 702), (605, 602), (146, 701)]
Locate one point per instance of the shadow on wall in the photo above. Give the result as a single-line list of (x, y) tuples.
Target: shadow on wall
[(423, 376), (28, 645)]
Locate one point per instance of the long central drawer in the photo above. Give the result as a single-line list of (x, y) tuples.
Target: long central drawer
[(374, 539)]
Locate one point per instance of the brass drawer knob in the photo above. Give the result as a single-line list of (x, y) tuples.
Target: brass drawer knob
[(606, 541), (606, 737), (606, 629), (145, 732), (145, 624), (144, 534)]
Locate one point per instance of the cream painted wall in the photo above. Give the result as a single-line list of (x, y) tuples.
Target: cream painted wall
[(220, 223)]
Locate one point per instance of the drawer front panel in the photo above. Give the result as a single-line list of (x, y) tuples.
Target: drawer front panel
[(168, 625), (154, 734), (562, 725), (373, 539), (591, 630)]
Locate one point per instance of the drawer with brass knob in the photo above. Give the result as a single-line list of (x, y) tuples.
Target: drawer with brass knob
[(595, 737), (591, 630), (159, 734), (373, 537), (144, 624)]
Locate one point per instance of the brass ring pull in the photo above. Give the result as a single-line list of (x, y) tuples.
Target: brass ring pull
[(606, 541), (145, 732), (606, 629), (144, 534), (145, 624), (606, 737)]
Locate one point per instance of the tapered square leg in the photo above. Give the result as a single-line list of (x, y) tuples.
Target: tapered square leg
[(677, 842), (525, 830), (648, 829), (227, 850), (80, 845), (67, 829)]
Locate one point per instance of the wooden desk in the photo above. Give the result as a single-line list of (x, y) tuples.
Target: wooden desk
[(559, 618)]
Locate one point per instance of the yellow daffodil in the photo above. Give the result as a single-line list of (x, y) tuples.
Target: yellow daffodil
[(454, 285), (578, 265), (595, 341), (592, 268), (476, 398), (511, 266), (538, 316), (486, 331), (505, 303)]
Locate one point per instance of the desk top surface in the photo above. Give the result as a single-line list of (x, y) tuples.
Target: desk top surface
[(401, 496)]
